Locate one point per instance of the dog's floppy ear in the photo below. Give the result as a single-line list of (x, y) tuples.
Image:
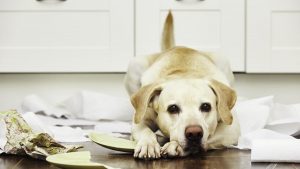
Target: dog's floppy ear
[(142, 99), (226, 98)]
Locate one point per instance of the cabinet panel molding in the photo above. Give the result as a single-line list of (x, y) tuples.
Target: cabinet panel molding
[(69, 36), (215, 26), (273, 36)]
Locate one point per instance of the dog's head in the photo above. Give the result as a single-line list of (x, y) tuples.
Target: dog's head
[(185, 110)]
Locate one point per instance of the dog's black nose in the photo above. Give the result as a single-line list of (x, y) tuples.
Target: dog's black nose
[(194, 133)]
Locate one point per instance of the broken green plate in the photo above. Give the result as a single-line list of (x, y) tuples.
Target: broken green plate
[(75, 160), (114, 143)]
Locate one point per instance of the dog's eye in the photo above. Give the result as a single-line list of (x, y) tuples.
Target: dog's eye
[(205, 107), (173, 109)]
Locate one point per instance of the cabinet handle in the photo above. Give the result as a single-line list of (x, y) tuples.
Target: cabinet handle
[(183, 0), (45, 0)]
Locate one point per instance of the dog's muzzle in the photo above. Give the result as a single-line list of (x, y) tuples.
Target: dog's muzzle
[(193, 134)]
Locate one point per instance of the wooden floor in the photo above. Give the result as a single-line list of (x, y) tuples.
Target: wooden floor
[(217, 159)]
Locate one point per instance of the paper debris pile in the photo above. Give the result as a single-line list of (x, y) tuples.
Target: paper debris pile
[(17, 137)]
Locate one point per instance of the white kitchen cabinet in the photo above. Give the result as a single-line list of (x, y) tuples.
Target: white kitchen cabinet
[(66, 36), (102, 35), (273, 36), (210, 25)]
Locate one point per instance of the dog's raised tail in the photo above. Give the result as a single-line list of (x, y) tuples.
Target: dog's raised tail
[(167, 40)]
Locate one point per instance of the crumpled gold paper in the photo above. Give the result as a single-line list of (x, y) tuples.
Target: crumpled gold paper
[(16, 137)]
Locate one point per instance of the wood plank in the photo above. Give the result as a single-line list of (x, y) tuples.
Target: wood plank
[(226, 158)]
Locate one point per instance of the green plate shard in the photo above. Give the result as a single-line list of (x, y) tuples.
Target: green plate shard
[(113, 143), (74, 160)]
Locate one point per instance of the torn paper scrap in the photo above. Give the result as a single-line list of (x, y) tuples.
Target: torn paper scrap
[(68, 134), (248, 112), (285, 119), (246, 141), (98, 106), (275, 150), (61, 133), (33, 103), (113, 127), (17, 137), (36, 124)]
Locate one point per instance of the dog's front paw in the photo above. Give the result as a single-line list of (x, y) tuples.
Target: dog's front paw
[(172, 149), (147, 149)]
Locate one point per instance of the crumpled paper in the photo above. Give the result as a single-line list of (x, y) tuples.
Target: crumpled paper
[(17, 137), (275, 150), (98, 106), (84, 105), (61, 132), (33, 103), (261, 118)]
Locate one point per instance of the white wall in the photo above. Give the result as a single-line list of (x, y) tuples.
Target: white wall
[(57, 87), (285, 88)]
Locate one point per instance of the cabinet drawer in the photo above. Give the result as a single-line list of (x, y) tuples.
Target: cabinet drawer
[(211, 25), (46, 5), (66, 36)]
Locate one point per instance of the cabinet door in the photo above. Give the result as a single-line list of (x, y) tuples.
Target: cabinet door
[(66, 36), (273, 36), (210, 25)]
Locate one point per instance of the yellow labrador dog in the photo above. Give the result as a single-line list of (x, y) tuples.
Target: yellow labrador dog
[(185, 94)]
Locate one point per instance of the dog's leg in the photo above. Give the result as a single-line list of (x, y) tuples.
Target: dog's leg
[(147, 146)]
